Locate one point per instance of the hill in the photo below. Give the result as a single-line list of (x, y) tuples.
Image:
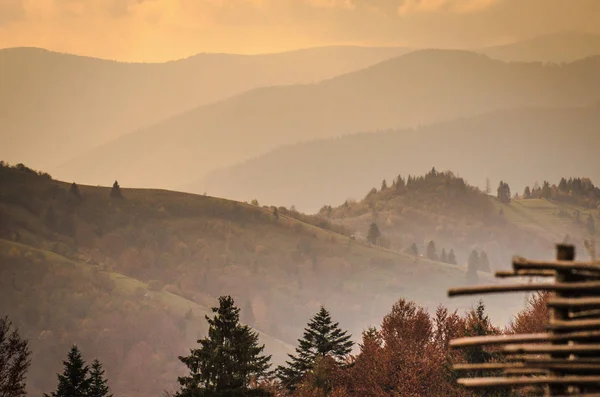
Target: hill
[(442, 208), (556, 47), (419, 88), (72, 103), (82, 263), (520, 146)]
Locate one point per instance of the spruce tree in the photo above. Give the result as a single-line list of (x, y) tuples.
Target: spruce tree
[(444, 256), (322, 338), (98, 384), (431, 251), (484, 262), (452, 257), (74, 381), (373, 234), (115, 192), (228, 359)]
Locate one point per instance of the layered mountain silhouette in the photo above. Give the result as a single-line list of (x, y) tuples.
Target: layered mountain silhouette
[(55, 106), (557, 47), (419, 88), (519, 146)]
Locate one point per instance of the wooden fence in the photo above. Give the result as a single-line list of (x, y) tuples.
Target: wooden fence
[(564, 360)]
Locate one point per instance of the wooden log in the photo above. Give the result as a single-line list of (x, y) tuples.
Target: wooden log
[(528, 381), (564, 265), (585, 286), (580, 349), (486, 366), (522, 338), (572, 325), (525, 273), (584, 302)]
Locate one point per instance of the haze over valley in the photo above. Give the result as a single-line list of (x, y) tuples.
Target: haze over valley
[(191, 193)]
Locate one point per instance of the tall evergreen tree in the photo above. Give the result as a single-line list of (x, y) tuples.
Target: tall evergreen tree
[(527, 193), (412, 250), (444, 256), (373, 234), (74, 381), (14, 360), (384, 185), (484, 262), (322, 338), (452, 257), (431, 251), (98, 384), (228, 359)]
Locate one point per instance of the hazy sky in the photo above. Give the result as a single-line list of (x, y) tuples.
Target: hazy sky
[(155, 30)]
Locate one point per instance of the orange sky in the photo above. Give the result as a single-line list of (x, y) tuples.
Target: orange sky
[(158, 30)]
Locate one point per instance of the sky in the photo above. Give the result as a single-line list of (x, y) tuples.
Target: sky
[(160, 30)]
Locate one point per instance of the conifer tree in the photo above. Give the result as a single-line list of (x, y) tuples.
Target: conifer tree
[(452, 257), (590, 224), (228, 359), (98, 384), (444, 256), (373, 234), (74, 381), (431, 251), (384, 185), (115, 192), (74, 190), (14, 360), (322, 338), (484, 262), (527, 193)]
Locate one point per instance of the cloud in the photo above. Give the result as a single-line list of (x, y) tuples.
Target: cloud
[(452, 6), (11, 11)]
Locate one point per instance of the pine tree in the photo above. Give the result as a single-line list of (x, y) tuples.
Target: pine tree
[(452, 257), (527, 193), (74, 381), (472, 267), (412, 250), (322, 338), (431, 251), (228, 359), (74, 190), (98, 384), (373, 234), (443, 256), (384, 185), (591, 227), (14, 360), (115, 192), (484, 262)]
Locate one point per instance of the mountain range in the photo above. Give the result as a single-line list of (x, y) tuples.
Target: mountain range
[(519, 146)]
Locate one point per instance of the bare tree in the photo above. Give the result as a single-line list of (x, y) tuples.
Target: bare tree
[(14, 361)]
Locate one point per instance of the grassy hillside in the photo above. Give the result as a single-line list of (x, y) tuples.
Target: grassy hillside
[(520, 146), (418, 88), (92, 260), (83, 102), (441, 207)]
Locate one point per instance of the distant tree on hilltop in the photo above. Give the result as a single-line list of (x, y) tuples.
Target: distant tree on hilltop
[(431, 251), (115, 192), (74, 190), (504, 192)]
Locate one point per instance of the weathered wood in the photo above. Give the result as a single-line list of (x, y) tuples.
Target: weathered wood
[(585, 286), (528, 381), (525, 273), (564, 265), (583, 302), (572, 325), (581, 349), (521, 338)]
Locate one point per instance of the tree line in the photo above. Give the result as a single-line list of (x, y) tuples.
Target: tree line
[(407, 355)]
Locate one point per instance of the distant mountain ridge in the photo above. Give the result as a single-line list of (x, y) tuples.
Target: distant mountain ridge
[(519, 146), (54, 106), (418, 88)]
